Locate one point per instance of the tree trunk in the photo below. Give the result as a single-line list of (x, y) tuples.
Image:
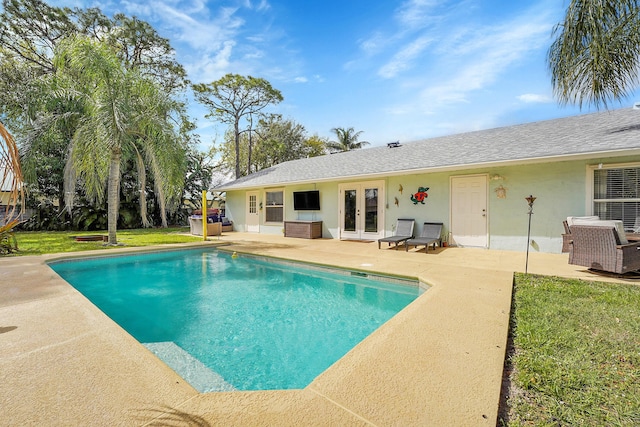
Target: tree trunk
[(250, 144), (163, 214), (113, 194), (237, 135)]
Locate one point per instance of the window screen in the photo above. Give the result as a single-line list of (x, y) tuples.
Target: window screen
[(616, 195), (274, 209)]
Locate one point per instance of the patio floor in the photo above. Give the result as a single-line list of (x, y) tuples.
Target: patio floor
[(438, 362)]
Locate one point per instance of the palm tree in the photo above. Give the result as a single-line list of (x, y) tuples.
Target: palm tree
[(595, 56), (124, 115), (347, 140)]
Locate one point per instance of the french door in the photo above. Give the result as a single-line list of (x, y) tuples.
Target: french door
[(362, 210)]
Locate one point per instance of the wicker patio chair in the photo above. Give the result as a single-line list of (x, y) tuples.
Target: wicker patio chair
[(566, 237), (599, 248), (404, 231), (578, 220)]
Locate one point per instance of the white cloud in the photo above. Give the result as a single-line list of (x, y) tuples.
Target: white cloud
[(264, 5), (416, 13), (403, 59), (449, 53), (253, 53), (462, 65), (200, 32), (301, 79), (477, 63), (261, 5), (532, 98), (213, 39), (212, 67), (138, 9), (410, 16)]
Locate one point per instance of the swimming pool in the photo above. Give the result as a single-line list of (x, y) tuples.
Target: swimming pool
[(243, 323)]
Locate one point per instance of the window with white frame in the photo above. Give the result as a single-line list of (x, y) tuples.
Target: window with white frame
[(274, 206), (616, 193)]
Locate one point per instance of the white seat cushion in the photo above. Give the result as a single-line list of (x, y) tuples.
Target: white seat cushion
[(571, 219), (619, 226)]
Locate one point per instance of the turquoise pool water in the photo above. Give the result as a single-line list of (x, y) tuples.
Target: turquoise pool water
[(241, 323)]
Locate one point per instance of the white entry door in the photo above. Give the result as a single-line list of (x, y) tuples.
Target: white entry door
[(469, 211), (362, 210), (253, 214)]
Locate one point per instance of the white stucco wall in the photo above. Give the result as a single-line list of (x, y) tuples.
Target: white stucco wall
[(560, 188), (434, 209), (235, 209), (328, 213)]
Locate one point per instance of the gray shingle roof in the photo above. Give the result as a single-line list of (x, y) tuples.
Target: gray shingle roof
[(602, 133)]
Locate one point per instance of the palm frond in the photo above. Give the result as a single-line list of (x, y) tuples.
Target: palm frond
[(90, 159), (8, 242), (142, 183), (595, 57), (347, 140)]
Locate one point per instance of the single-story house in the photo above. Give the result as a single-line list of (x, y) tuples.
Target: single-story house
[(475, 183)]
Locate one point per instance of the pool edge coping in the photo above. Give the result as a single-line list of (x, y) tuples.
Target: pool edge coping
[(207, 396)]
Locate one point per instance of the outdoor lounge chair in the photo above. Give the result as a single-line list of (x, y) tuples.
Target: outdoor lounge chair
[(430, 235), (602, 248), (404, 231)]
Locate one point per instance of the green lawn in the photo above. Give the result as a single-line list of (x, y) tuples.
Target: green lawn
[(37, 243), (576, 353)]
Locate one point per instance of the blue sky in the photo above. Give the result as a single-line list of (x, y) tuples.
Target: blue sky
[(396, 70)]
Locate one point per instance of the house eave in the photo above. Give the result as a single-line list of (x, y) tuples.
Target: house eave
[(443, 168)]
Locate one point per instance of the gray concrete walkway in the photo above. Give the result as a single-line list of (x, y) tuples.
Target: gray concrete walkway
[(437, 363)]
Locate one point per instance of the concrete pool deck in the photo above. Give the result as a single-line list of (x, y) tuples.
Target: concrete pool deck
[(438, 362)]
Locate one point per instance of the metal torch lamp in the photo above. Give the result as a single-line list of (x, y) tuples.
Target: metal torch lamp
[(530, 201)]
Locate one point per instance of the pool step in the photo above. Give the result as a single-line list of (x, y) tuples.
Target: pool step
[(188, 367)]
